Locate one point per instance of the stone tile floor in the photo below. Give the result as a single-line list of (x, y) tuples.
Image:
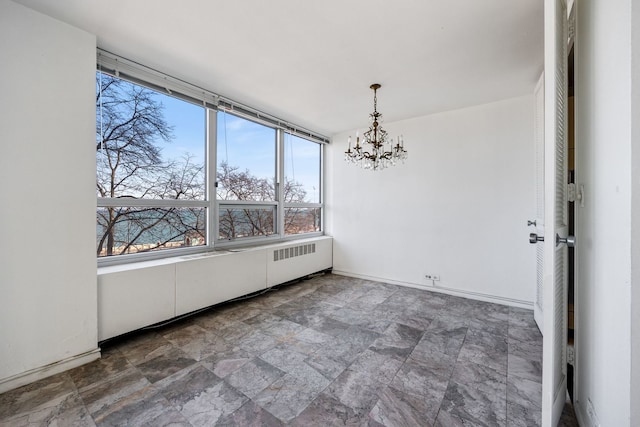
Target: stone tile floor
[(330, 351)]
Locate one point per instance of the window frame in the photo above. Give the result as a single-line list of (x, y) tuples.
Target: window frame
[(135, 73)]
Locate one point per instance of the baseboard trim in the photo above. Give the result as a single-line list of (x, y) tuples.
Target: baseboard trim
[(36, 374), (444, 290)]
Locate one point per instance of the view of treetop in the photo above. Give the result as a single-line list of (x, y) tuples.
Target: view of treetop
[(151, 180)]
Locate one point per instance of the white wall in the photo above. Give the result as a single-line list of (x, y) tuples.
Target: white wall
[(48, 307), (635, 214), (603, 148), (457, 208)]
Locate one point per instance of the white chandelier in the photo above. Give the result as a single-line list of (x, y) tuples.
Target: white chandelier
[(382, 151)]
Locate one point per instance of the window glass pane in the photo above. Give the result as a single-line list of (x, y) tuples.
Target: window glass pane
[(301, 220), (127, 230), (249, 221), (148, 145), (246, 157), (301, 170)]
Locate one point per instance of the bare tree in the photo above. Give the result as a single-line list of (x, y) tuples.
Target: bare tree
[(130, 131), (246, 221)]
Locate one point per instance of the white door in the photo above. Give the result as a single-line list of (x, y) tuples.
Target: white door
[(554, 298), (538, 222)]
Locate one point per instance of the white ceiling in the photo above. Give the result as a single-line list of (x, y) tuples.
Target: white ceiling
[(311, 62)]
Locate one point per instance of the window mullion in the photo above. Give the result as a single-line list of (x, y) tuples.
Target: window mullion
[(280, 135), (212, 142)]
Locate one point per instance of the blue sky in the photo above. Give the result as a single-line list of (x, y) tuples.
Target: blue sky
[(242, 143)]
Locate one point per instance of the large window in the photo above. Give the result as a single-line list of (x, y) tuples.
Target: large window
[(302, 190), (150, 182), (157, 190), (246, 178)]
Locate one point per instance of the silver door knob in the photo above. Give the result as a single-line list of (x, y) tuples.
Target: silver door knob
[(534, 238), (570, 241)]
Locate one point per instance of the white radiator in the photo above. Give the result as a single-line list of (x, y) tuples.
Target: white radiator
[(132, 296), (291, 261)]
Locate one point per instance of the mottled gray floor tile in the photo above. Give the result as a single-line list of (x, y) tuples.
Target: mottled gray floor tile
[(204, 345), (327, 325), (234, 331), (186, 384), (398, 340), (524, 392), (415, 320), (46, 393), (452, 319), (146, 407), (491, 318), (458, 307), (371, 299), (362, 319), (291, 394), (334, 339), (347, 295), (441, 338), (200, 396), (284, 358), (357, 390), (184, 335), (257, 342), (235, 312), (111, 362), (255, 376), (530, 350), (165, 365), (523, 416), (144, 346), (486, 349), (250, 415), (439, 363), (328, 363), (347, 346), (212, 404), (395, 408), (67, 410), (525, 334), (262, 320), (524, 368), (358, 338), (380, 367), (226, 361), (421, 380), (308, 341), (476, 393), (211, 321), (100, 397), (327, 411), (282, 328), (447, 419), (305, 316), (521, 317)]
